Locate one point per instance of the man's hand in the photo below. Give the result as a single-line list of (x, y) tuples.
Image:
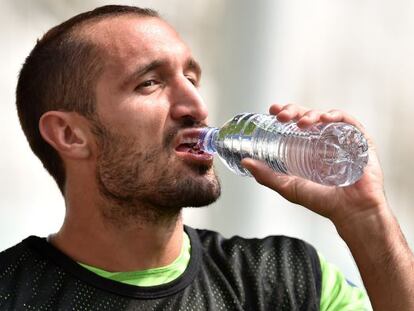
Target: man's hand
[(343, 205), (360, 213)]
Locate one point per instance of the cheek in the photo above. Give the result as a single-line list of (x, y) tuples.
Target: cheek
[(147, 120), (138, 121), (147, 124), (134, 117)]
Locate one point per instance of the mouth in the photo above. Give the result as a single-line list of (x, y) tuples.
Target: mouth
[(187, 147)]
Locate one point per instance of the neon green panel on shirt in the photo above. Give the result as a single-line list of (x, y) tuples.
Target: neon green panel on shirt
[(337, 293)]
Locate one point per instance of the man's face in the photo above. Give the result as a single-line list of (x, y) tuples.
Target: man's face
[(148, 108)]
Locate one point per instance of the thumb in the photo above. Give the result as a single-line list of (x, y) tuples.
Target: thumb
[(264, 175), (295, 189)]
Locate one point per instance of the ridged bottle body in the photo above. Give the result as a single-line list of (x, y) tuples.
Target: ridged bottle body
[(330, 154)]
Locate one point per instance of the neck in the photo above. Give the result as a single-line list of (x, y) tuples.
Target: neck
[(87, 236)]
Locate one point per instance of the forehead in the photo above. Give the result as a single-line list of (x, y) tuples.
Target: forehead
[(129, 37)]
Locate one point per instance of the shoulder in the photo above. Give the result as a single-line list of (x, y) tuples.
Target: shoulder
[(284, 246), (18, 261), (272, 269), (14, 254), (286, 255)]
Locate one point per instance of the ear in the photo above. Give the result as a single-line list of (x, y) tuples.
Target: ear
[(66, 132)]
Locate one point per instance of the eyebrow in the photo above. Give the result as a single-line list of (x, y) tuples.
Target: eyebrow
[(190, 64)]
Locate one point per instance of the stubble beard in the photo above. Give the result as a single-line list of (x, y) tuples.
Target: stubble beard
[(148, 187)]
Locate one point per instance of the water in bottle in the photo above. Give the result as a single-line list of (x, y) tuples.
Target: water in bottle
[(332, 154)]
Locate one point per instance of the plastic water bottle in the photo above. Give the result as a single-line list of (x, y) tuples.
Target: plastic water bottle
[(332, 154)]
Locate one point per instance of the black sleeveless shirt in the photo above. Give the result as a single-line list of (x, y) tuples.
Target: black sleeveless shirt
[(274, 273)]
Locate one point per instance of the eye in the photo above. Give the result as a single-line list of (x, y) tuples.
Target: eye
[(148, 86), (193, 80), (148, 83)]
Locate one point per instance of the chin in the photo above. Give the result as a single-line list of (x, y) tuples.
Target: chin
[(201, 190), (201, 169)]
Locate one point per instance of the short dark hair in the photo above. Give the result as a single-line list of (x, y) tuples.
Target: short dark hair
[(60, 73)]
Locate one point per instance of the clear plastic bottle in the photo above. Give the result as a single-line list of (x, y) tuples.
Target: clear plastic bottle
[(332, 154)]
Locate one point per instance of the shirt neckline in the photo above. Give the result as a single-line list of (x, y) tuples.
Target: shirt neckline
[(153, 276), (58, 258)]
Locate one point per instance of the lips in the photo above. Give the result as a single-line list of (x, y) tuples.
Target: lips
[(187, 140), (187, 147), (189, 144)]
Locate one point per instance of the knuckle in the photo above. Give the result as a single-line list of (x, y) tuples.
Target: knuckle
[(335, 111)]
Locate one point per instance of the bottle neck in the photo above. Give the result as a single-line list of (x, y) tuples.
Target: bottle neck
[(207, 139)]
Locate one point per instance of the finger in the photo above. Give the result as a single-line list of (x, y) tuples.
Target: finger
[(309, 118), (336, 115), (275, 109), (333, 116), (290, 112)]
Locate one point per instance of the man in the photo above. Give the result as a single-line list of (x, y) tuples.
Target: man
[(109, 101)]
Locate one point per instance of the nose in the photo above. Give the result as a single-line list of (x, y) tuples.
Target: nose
[(186, 101)]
